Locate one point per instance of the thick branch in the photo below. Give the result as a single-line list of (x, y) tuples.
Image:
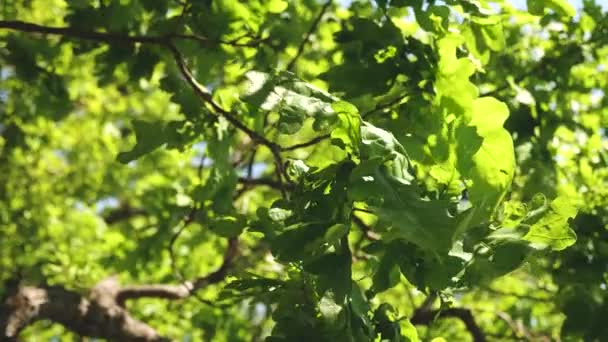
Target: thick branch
[(97, 315), (426, 317), (101, 314)]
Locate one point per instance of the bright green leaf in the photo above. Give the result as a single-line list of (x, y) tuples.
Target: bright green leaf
[(553, 229)]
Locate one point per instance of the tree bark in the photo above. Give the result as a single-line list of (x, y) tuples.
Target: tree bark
[(95, 315)]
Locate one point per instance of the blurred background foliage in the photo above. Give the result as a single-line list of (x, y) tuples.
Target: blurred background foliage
[(105, 150)]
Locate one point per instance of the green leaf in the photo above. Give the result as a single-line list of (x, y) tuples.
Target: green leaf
[(427, 224), (489, 165), (386, 324), (387, 273), (553, 228), (378, 143), (149, 135), (279, 214), (358, 301), (434, 19), (484, 34), (293, 99), (347, 135), (221, 183), (438, 273), (297, 169), (277, 6), (383, 180), (335, 233), (297, 242), (228, 226), (409, 332), (506, 256), (562, 7), (454, 90), (488, 31), (334, 274), (182, 95), (330, 310)]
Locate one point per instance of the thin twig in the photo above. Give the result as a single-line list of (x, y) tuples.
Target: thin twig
[(426, 317), (320, 138), (201, 166), (311, 142), (313, 28), (165, 41), (189, 218), (202, 92), (535, 69), (366, 232), (250, 163), (206, 41), (516, 295), (261, 181), (386, 105), (363, 210), (122, 213)]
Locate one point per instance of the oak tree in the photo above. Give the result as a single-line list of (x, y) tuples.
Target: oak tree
[(222, 170)]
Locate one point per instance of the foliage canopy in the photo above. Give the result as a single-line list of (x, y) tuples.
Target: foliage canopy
[(280, 170)]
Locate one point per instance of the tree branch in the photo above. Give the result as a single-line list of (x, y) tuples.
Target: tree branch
[(386, 105), (320, 138), (95, 315), (366, 232), (516, 295), (313, 28), (311, 142), (122, 213), (81, 34), (102, 313), (107, 37), (261, 181), (426, 317), (538, 67), (164, 41), (184, 290), (202, 92)]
